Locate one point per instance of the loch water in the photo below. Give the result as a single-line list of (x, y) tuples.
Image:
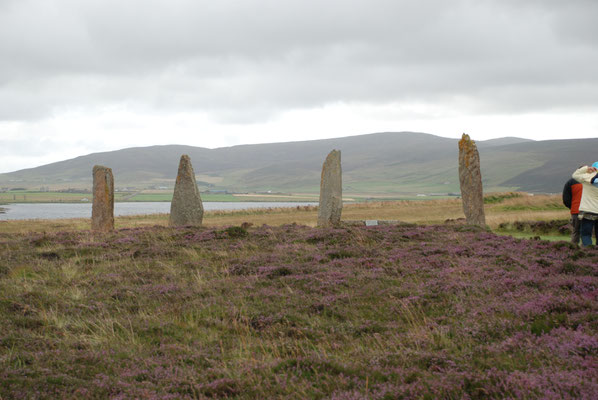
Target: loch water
[(83, 210)]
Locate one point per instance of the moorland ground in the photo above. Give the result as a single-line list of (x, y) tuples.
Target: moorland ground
[(284, 310)]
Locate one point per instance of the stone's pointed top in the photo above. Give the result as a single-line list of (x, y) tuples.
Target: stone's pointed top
[(333, 158), (186, 207), (468, 151), (466, 142), (185, 159)]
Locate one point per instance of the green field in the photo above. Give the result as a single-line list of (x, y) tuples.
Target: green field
[(519, 235), (151, 197), (32, 196)]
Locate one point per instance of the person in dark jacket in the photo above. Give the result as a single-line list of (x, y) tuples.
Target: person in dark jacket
[(571, 199)]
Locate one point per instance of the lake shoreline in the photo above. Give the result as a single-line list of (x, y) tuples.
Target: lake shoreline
[(151, 201), (59, 210)]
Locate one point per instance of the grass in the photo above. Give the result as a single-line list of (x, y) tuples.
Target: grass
[(552, 238), (500, 197), (290, 311)]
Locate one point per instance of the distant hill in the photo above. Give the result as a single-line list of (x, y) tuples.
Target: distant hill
[(390, 162)]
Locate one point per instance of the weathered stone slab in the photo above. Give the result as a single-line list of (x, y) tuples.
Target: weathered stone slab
[(331, 191), (186, 207), (102, 210), (374, 222), (470, 179)]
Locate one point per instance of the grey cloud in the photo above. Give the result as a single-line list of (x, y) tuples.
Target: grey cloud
[(25, 147), (245, 61)]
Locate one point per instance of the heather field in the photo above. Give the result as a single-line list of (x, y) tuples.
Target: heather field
[(384, 312)]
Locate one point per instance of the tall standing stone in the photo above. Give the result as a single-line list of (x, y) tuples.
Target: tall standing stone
[(186, 207), (102, 211), (331, 191), (470, 179)]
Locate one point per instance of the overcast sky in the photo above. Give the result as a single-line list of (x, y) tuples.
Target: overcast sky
[(82, 76)]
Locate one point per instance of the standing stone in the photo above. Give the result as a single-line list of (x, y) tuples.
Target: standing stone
[(331, 191), (186, 207), (102, 211), (470, 179)]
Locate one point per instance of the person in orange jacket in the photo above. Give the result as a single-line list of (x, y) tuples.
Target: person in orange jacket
[(571, 199)]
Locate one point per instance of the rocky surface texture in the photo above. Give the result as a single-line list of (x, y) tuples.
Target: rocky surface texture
[(186, 207), (470, 179), (102, 211), (331, 191)]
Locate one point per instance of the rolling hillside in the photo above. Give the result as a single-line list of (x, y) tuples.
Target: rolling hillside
[(391, 162)]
